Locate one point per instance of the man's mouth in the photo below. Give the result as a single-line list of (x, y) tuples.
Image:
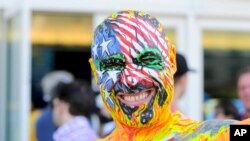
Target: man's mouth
[(136, 99)]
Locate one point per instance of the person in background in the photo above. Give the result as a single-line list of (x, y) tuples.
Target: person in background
[(72, 105), (243, 88), (225, 109), (180, 80), (37, 104), (44, 125)]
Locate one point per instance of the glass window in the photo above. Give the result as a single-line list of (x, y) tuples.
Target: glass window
[(68, 29), (60, 41), (225, 53)]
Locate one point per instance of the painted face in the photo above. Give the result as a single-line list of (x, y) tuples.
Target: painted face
[(134, 66)]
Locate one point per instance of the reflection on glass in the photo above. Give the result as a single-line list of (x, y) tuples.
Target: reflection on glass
[(225, 53), (61, 29)]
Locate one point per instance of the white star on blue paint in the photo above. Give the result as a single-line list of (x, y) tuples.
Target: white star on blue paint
[(95, 50), (105, 46), (113, 76), (100, 73)]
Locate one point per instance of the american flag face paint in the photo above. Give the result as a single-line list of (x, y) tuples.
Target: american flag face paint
[(133, 62)]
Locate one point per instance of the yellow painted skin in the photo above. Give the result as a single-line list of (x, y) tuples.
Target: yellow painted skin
[(164, 126), (176, 129), (171, 127)]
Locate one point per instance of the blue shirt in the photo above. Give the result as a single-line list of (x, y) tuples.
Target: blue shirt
[(45, 126)]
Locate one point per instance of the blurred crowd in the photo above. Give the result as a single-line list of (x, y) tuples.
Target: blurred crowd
[(74, 112)]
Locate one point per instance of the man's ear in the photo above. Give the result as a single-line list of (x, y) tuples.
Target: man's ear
[(93, 69), (172, 57)]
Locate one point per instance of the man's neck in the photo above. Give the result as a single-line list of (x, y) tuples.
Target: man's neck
[(168, 125), (161, 126)]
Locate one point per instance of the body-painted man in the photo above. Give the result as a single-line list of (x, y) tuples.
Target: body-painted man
[(133, 64)]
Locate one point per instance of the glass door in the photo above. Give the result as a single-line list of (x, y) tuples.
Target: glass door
[(17, 76), (225, 54)]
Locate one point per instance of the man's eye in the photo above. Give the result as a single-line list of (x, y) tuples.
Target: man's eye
[(150, 60), (112, 64)]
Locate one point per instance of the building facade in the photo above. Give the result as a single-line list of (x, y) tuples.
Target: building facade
[(195, 26)]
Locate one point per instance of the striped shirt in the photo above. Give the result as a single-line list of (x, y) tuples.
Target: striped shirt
[(77, 129)]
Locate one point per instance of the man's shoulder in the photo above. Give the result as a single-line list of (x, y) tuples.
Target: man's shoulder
[(246, 122), (244, 116), (210, 129)]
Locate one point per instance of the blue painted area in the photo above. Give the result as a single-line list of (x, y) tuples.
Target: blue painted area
[(110, 102), (104, 33), (108, 85)]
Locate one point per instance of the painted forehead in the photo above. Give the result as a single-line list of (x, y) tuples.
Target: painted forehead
[(126, 34)]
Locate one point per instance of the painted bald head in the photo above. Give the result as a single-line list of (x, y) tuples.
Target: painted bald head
[(134, 65)]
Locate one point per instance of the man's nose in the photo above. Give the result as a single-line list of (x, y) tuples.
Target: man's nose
[(130, 77)]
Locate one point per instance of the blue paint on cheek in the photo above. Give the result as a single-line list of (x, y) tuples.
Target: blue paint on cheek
[(100, 80), (110, 103), (108, 85), (106, 81), (103, 78)]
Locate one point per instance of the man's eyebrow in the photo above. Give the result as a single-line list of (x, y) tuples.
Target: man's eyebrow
[(119, 56), (154, 50)]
